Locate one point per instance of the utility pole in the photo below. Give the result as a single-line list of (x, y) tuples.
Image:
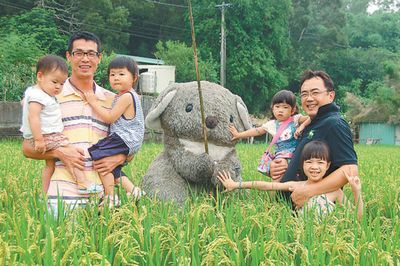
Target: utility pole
[(223, 43)]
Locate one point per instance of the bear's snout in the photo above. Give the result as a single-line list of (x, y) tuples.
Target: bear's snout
[(211, 122)]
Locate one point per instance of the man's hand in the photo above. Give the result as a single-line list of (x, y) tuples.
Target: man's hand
[(301, 195), (129, 158), (71, 156), (293, 185), (40, 146), (105, 165), (278, 168)]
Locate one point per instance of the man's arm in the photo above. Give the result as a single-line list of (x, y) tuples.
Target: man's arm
[(334, 181), (71, 156)]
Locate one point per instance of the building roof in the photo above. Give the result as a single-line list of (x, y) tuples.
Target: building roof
[(146, 60)]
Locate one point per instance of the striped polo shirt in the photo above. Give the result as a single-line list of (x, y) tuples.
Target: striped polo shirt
[(83, 128)]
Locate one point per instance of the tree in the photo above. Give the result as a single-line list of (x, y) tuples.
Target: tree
[(110, 22), (379, 30), (316, 28), (257, 44), (18, 57), (365, 65), (101, 75), (40, 25), (382, 103), (15, 7), (180, 55), (356, 6)]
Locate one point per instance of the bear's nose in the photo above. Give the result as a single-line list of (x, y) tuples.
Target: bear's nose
[(211, 122)]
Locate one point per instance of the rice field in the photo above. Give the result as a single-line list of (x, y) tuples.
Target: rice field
[(243, 228)]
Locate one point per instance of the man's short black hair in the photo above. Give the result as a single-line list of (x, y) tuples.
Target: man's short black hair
[(309, 74), (84, 35)]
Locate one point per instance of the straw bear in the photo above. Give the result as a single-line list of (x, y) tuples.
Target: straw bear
[(183, 166)]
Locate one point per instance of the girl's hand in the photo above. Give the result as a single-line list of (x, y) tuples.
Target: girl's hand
[(40, 146), (226, 180), (354, 182), (90, 97), (234, 132)]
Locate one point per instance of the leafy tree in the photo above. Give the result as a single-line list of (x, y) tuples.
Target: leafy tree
[(40, 25), (379, 30), (110, 22), (387, 5), (257, 43), (10, 8), (123, 26), (180, 55), (356, 6), (383, 107), (317, 26), (351, 64), (18, 57), (101, 75), (381, 102)]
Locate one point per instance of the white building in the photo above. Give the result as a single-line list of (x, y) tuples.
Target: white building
[(154, 75)]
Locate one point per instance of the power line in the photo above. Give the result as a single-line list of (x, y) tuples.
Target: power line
[(132, 33), (154, 29), (160, 25), (175, 5), (139, 34), (13, 5), (165, 4)]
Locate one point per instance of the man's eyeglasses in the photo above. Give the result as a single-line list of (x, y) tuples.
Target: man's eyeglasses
[(89, 54), (312, 94)]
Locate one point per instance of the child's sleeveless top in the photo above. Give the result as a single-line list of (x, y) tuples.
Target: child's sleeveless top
[(131, 131)]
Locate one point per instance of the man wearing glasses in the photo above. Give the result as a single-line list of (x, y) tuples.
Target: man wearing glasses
[(317, 96), (81, 125)]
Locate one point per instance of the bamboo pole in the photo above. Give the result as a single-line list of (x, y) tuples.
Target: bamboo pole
[(203, 119)]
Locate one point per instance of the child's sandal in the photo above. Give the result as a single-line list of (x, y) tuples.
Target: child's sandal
[(92, 189), (111, 200)]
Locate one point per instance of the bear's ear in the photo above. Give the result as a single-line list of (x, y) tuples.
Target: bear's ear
[(153, 120), (243, 113)]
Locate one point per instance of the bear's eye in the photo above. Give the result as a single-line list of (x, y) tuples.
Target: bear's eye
[(189, 107), (231, 119)]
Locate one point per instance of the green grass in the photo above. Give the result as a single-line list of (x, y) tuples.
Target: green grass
[(230, 229)]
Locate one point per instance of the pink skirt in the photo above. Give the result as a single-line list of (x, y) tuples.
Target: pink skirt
[(53, 141)]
